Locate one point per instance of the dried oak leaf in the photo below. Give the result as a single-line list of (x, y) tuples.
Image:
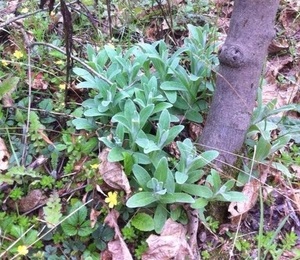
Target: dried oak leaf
[(94, 217), (117, 247), (33, 199), (171, 244), (113, 174), (39, 81), (4, 156), (239, 210)]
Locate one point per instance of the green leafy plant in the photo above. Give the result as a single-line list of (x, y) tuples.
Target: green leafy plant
[(8, 85), (243, 246), (140, 250), (20, 175), (52, 210), (129, 76), (76, 223), (16, 194), (47, 182), (143, 222), (102, 235), (264, 146), (205, 254), (166, 187), (51, 253), (129, 233)]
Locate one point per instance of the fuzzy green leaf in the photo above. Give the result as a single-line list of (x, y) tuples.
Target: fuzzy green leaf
[(234, 196), (194, 116), (204, 159), (263, 149), (145, 113), (160, 218), (176, 197), (197, 190), (141, 175), (85, 124), (128, 162), (116, 154), (181, 177), (121, 119), (143, 222), (199, 203), (162, 170), (173, 85), (140, 199)]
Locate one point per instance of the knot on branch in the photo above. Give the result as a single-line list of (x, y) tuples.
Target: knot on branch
[(232, 56)]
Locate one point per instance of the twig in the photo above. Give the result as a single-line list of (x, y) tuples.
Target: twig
[(14, 19), (165, 17), (26, 129)]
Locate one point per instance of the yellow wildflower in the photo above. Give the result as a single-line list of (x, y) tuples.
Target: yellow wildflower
[(62, 86), (95, 166), (23, 250), (59, 62), (112, 199), (111, 45), (18, 54), (24, 10), (4, 63)]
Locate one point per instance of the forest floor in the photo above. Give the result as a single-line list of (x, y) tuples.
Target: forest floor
[(51, 163)]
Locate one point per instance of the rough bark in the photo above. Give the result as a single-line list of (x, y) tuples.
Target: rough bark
[(241, 61)]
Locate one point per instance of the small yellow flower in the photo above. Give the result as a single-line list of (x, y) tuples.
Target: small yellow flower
[(59, 62), (62, 86), (112, 199), (24, 10), (111, 45), (22, 250), (18, 54), (4, 63), (95, 166)]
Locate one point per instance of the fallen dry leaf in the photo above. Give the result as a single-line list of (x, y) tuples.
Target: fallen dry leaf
[(171, 244), (94, 217), (274, 66), (119, 250), (10, 8), (289, 18), (296, 201), (239, 210), (113, 174), (4, 156), (195, 130), (285, 90), (45, 137), (296, 170), (117, 247), (33, 199), (39, 82), (278, 45)]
